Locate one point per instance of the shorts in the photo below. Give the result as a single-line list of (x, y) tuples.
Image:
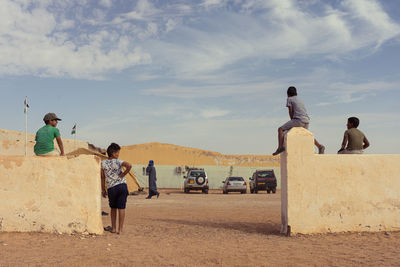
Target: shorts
[(53, 153), (294, 123), (345, 151), (117, 196)]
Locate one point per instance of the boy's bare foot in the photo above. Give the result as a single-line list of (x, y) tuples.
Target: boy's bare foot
[(278, 151)]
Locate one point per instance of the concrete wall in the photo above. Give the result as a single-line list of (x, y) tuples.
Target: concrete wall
[(52, 194), (168, 178), (13, 143), (335, 193)]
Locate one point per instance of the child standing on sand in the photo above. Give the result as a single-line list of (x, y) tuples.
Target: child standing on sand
[(298, 118), (45, 137), (354, 139), (117, 190)]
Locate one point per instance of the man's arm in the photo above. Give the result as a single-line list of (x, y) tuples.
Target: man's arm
[(103, 184), (60, 145), (290, 112), (366, 143), (344, 142), (127, 167)]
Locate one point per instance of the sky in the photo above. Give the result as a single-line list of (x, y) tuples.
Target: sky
[(209, 74)]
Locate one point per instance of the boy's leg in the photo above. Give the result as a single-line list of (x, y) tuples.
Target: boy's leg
[(281, 136), (121, 205), (321, 148), (113, 220), (121, 219)]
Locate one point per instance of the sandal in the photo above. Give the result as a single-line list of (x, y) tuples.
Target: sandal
[(108, 228), (278, 151)]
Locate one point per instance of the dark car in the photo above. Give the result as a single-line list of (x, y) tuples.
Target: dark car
[(263, 180)]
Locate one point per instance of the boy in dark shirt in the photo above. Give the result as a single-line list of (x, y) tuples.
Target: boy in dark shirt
[(354, 141)]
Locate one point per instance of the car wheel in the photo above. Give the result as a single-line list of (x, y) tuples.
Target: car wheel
[(224, 192), (268, 191), (256, 191), (186, 190), (243, 192), (251, 191), (274, 190), (205, 191)]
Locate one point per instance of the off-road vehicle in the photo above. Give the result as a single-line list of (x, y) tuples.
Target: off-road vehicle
[(263, 180), (196, 179)]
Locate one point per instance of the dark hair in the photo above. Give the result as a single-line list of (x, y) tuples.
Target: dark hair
[(112, 149), (354, 121), (291, 91)]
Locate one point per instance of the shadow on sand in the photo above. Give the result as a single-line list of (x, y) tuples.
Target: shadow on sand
[(267, 228)]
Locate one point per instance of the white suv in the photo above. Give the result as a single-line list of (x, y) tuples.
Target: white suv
[(196, 179)]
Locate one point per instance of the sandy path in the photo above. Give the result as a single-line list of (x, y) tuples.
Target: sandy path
[(196, 230)]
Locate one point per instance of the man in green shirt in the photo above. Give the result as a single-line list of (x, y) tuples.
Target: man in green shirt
[(45, 137)]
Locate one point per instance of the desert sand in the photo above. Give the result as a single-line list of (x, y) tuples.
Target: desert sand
[(196, 230), (167, 154)]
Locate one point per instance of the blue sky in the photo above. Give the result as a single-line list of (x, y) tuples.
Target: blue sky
[(209, 74)]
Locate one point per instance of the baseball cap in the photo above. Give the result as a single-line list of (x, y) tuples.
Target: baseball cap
[(50, 117)]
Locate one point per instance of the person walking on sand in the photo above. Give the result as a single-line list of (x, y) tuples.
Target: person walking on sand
[(151, 172), (298, 118), (355, 140), (117, 190), (45, 137)]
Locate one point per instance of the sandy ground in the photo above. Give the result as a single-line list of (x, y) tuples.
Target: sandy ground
[(196, 230)]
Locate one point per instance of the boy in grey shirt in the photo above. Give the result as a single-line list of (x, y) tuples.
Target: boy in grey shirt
[(298, 118)]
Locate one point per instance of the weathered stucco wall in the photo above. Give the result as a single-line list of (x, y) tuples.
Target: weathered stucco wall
[(50, 194), (13, 143), (335, 193)]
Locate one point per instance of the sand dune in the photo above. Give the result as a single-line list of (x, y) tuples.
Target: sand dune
[(167, 154), (13, 143)]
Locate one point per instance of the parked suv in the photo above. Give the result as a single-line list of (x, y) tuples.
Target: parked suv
[(196, 179), (263, 180), (234, 184)]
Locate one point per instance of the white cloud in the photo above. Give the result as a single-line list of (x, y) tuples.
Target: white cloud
[(212, 91), (66, 38), (106, 3), (209, 113), (271, 30), (144, 10), (33, 41)]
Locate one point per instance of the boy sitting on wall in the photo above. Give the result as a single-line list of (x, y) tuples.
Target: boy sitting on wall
[(354, 139), (45, 137), (298, 118)]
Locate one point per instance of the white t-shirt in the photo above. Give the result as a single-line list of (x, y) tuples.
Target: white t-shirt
[(112, 169)]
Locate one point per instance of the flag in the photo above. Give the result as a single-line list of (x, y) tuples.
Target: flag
[(73, 129), (26, 106)]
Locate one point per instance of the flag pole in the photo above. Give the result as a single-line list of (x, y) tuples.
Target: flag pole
[(75, 138), (26, 127)]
